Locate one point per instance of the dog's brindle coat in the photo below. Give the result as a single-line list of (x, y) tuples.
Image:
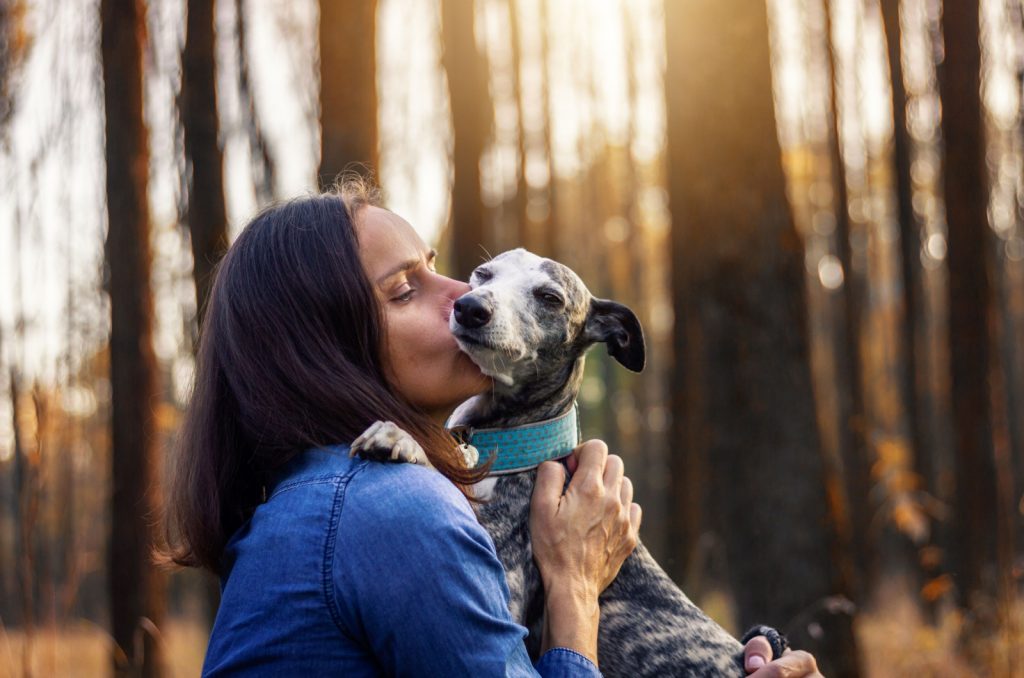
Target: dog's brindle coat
[(527, 322)]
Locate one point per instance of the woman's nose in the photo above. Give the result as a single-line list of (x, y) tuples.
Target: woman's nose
[(454, 288)]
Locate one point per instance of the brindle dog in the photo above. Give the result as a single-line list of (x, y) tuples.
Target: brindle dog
[(527, 322)]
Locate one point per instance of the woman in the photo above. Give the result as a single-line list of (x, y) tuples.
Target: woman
[(326, 314)]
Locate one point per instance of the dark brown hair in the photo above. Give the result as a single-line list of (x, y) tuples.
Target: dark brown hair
[(289, 358)]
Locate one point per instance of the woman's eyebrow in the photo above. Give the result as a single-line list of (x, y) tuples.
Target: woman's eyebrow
[(405, 266)]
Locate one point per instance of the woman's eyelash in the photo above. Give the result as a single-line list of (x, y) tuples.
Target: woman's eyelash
[(405, 296)]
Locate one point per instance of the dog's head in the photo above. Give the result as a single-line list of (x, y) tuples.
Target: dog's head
[(526, 315)]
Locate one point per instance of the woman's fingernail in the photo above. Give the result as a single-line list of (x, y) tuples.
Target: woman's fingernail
[(755, 661)]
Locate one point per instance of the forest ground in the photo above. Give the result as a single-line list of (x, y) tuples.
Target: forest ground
[(893, 638)]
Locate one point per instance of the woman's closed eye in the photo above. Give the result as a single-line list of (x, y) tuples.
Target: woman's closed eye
[(404, 294), (414, 271)]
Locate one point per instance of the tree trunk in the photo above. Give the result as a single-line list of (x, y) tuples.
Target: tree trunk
[(6, 104), (741, 341), (23, 473), (548, 246), (348, 87), (23, 479), (466, 69), (646, 388), (1013, 308), (853, 428), (9, 507), (524, 230), (912, 357), (262, 163), (137, 600), (207, 213), (976, 508), (207, 218)]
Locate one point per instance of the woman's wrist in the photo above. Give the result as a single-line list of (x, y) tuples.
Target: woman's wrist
[(571, 619)]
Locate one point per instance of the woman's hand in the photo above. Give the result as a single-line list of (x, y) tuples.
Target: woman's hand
[(580, 540), (791, 664)]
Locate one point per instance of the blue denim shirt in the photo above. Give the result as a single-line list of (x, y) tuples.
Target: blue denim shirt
[(360, 568)]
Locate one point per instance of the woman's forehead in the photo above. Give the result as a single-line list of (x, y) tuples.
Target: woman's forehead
[(386, 239)]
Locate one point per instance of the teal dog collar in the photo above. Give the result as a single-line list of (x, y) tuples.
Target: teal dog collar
[(521, 448)]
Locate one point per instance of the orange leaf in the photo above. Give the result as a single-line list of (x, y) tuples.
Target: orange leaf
[(937, 587)]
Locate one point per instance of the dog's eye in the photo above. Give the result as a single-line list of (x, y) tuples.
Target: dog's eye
[(548, 297), (482, 274)]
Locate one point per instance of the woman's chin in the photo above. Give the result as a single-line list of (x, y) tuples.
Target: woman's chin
[(465, 364), (481, 383), (467, 384)]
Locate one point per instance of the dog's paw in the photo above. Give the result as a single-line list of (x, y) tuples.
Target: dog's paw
[(384, 441), (470, 454), (778, 641)]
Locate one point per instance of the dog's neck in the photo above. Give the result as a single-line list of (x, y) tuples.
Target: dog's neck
[(526, 402)]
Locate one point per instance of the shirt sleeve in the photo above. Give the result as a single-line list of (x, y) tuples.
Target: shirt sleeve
[(417, 582), (558, 662)]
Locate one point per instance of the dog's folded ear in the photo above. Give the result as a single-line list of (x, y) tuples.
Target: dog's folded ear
[(616, 325)]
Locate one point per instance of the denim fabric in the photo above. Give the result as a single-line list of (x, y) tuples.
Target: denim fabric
[(360, 568)]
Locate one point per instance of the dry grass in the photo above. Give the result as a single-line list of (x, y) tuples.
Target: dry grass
[(83, 649), (894, 640)]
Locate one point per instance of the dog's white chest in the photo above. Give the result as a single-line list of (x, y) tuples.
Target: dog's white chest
[(485, 488)]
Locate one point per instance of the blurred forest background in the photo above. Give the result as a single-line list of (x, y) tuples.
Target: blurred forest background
[(814, 206)]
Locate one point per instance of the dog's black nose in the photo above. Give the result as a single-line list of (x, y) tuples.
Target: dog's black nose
[(471, 313)]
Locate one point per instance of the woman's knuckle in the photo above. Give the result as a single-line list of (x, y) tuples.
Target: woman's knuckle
[(591, 486)]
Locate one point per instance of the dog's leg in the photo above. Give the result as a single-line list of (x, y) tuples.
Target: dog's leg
[(650, 628), (648, 625), (506, 516), (384, 441)]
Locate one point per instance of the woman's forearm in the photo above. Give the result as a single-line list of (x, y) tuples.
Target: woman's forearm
[(570, 620)]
